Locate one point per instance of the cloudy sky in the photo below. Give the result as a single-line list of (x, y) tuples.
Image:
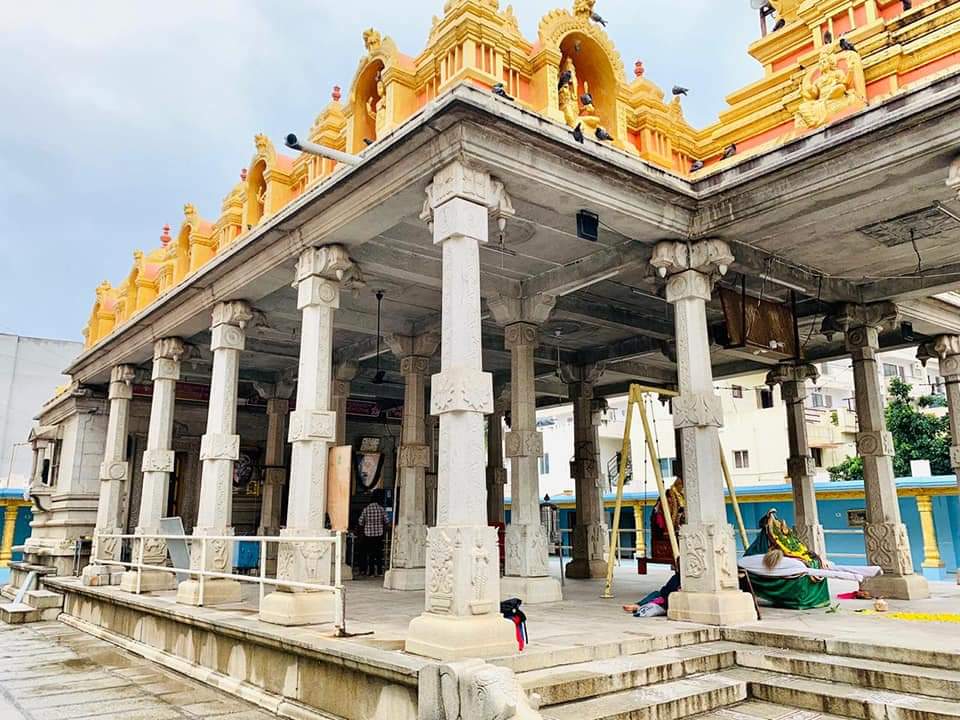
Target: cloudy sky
[(117, 112)]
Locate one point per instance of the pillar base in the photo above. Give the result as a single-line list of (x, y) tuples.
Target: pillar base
[(532, 590), (728, 607), (445, 637), (217, 591), (937, 573), (100, 575), (152, 581), (298, 608), (898, 587), (580, 569), (405, 579)]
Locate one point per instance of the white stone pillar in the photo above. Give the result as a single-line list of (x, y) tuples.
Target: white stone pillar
[(343, 375), (157, 465), (114, 475), (410, 531), (590, 534), (708, 558), (792, 379), (219, 450), (461, 618), (278, 396), (946, 348), (527, 571), (313, 427), (886, 536), (496, 472)]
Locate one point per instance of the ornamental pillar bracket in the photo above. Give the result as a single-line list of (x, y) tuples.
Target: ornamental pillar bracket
[(510, 310), (850, 316), (458, 180)]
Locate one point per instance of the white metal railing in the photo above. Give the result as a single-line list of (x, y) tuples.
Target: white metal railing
[(336, 540)]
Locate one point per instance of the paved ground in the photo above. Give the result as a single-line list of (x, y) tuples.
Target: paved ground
[(49, 671)]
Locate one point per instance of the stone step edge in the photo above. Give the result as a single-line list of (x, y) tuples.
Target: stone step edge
[(839, 647), (731, 712), (724, 653), (542, 658), (271, 702), (828, 696), (658, 708), (744, 653)]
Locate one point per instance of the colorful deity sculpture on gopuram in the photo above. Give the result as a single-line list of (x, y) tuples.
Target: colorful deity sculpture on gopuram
[(821, 63)]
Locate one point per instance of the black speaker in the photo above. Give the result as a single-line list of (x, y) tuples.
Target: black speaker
[(588, 225)]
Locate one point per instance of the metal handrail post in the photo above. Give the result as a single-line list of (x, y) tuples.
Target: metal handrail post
[(140, 566)]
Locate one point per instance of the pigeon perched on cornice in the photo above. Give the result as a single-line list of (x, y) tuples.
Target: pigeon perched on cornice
[(500, 91), (597, 19), (730, 151), (578, 133), (603, 135)]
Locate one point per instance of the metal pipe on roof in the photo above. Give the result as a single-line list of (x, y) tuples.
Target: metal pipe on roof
[(322, 151)]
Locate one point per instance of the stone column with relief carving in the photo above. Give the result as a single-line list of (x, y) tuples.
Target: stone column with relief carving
[(885, 533), (410, 532), (946, 348), (527, 559), (219, 450), (343, 374), (496, 472), (709, 591), (157, 465), (313, 426), (792, 379), (461, 617), (114, 475), (277, 394), (590, 534)]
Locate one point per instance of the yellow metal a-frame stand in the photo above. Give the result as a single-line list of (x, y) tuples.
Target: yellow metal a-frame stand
[(635, 400)]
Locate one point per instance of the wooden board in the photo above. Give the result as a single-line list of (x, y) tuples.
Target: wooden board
[(339, 467)]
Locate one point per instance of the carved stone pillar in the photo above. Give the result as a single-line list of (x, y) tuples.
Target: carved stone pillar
[(590, 534), (527, 557), (886, 536), (277, 395), (946, 348), (708, 569), (343, 375), (157, 464), (461, 618), (792, 380), (114, 475), (219, 450), (410, 533), (312, 430), (496, 472)]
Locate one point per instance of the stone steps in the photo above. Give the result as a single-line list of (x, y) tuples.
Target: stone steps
[(880, 675), (851, 701), (585, 680), (675, 699), (18, 613), (759, 710)]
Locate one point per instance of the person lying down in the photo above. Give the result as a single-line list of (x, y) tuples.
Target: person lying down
[(786, 574)]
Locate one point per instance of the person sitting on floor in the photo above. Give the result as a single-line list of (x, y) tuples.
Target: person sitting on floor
[(786, 574), (657, 602)]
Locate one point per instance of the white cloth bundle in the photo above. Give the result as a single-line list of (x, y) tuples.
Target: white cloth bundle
[(791, 567)]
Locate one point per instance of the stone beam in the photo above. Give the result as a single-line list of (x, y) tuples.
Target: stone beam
[(938, 280), (604, 264), (643, 371), (623, 350), (752, 261), (930, 311), (597, 312)]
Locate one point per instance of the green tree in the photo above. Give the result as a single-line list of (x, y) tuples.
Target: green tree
[(917, 435)]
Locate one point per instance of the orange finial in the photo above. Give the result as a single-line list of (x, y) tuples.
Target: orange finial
[(336, 93), (165, 238), (638, 68)]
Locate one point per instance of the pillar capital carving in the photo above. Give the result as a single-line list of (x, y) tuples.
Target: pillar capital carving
[(330, 262), (509, 310), (697, 409), (460, 389), (707, 257), (846, 317), (121, 382), (170, 348), (423, 345), (281, 389), (582, 374), (219, 446), (953, 176), (946, 348), (523, 443), (458, 181), (792, 373), (346, 371), (520, 335), (232, 312)]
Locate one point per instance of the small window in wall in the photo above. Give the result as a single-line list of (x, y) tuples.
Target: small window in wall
[(55, 463), (741, 458), (817, 456), (666, 467), (764, 398), (545, 464), (817, 400)]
